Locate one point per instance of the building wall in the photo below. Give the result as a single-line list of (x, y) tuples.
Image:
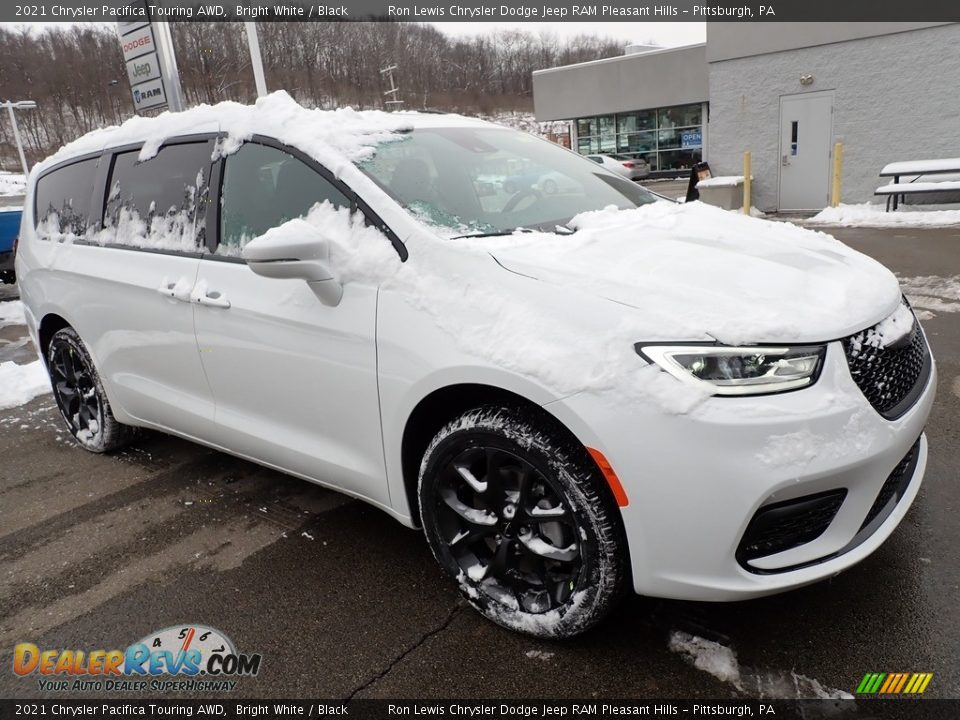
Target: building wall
[(630, 82), (729, 40), (896, 98)]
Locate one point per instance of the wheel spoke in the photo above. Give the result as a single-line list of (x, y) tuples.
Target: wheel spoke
[(470, 536), (498, 565), (478, 486), (474, 516), (539, 513), (539, 546), (494, 479)]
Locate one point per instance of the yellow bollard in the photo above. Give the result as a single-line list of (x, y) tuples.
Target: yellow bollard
[(747, 182), (837, 174)]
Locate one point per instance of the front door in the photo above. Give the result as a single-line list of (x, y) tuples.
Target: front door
[(806, 138), (294, 381)]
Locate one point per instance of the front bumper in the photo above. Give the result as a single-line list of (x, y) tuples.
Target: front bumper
[(695, 480)]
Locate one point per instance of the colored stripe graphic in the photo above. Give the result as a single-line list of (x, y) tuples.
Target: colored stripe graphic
[(894, 683)]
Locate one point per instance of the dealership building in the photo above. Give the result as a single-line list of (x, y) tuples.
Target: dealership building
[(787, 92)]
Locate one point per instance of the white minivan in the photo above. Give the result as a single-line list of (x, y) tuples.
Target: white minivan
[(572, 393)]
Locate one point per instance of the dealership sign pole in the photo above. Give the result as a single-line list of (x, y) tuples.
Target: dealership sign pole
[(20, 105), (151, 62)]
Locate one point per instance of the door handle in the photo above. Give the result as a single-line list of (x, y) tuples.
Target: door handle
[(175, 290), (213, 298)]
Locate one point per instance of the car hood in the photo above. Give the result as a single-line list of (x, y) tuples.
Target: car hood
[(695, 272)]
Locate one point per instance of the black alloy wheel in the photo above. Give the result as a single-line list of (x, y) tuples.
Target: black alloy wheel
[(79, 395), (516, 512), (509, 529)]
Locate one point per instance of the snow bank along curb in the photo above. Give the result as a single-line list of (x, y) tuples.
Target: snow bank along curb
[(20, 384), (871, 215)]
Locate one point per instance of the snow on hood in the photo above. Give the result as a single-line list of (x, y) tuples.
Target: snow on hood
[(331, 137), (697, 272)]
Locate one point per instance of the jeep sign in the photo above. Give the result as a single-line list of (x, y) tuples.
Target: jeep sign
[(149, 94), (143, 68), (137, 43)]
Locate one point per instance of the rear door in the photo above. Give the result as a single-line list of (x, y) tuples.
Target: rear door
[(127, 280), (294, 380)]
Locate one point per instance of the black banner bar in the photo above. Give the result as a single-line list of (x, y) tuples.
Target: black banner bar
[(232, 708), (483, 10)]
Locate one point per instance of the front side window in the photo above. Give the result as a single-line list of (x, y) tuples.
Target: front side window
[(63, 199), (264, 187), (468, 180), (159, 203)]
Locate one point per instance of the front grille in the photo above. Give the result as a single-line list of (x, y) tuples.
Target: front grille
[(894, 486), (891, 378), (789, 524)]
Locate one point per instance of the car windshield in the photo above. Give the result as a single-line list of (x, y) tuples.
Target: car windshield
[(472, 181)]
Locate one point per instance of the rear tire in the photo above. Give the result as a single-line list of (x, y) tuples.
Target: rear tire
[(80, 397), (519, 515)]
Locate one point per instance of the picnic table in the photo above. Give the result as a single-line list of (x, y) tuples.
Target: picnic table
[(918, 170)]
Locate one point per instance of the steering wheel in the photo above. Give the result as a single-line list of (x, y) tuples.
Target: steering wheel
[(520, 195)]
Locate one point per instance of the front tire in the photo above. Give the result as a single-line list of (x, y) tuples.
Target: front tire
[(80, 397), (519, 515)]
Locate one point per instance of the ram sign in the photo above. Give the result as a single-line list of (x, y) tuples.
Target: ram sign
[(149, 95)]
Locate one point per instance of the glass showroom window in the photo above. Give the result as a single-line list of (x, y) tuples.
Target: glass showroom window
[(667, 138)]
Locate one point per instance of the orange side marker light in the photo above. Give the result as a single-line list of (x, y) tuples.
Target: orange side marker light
[(619, 494)]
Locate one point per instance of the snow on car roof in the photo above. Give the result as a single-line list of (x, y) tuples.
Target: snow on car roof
[(331, 137)]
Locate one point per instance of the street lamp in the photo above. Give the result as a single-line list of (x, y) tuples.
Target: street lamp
[(19, 105)]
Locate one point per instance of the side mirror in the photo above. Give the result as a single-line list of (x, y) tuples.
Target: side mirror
[(296, 250)]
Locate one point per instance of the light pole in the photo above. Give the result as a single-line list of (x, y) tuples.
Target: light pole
[(20, 105)]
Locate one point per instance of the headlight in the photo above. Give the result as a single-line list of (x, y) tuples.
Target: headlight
[(739, 370)]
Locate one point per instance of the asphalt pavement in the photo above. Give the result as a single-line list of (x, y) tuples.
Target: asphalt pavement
[(343, 602)]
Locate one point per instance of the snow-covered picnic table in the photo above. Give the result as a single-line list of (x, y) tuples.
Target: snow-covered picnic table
[(916, 170)]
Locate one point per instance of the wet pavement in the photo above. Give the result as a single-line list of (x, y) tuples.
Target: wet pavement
[(341, 601)]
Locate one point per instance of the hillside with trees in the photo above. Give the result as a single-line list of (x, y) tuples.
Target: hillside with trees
[(78, 79)]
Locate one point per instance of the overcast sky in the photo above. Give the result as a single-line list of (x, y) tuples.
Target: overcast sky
[(669, 34)]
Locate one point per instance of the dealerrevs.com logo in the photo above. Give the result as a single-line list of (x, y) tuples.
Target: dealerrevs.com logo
[(180, 658)]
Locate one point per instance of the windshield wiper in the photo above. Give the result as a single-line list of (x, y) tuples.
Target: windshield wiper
[(495, 233)]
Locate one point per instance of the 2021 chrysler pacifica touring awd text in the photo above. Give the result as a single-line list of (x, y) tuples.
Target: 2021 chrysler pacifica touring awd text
[(571, 392)]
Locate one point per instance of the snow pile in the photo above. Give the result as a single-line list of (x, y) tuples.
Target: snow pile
[(890, 330), (358, 252), (871, 215), (19, 384), (11, 313), (12, 184), (711, 657), (722, 181), (701, 273), (798, 449), (721, 662), (932, 293), (332, 137)]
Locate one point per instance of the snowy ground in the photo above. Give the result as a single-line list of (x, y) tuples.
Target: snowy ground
[(12, 184), (873, 215), (22, 375)]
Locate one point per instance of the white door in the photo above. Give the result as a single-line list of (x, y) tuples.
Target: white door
[(806, 140), (294, 381), (136, 297)]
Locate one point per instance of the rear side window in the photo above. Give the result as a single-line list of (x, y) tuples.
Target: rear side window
[(264, 187), (160, 203), (63, 199)]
